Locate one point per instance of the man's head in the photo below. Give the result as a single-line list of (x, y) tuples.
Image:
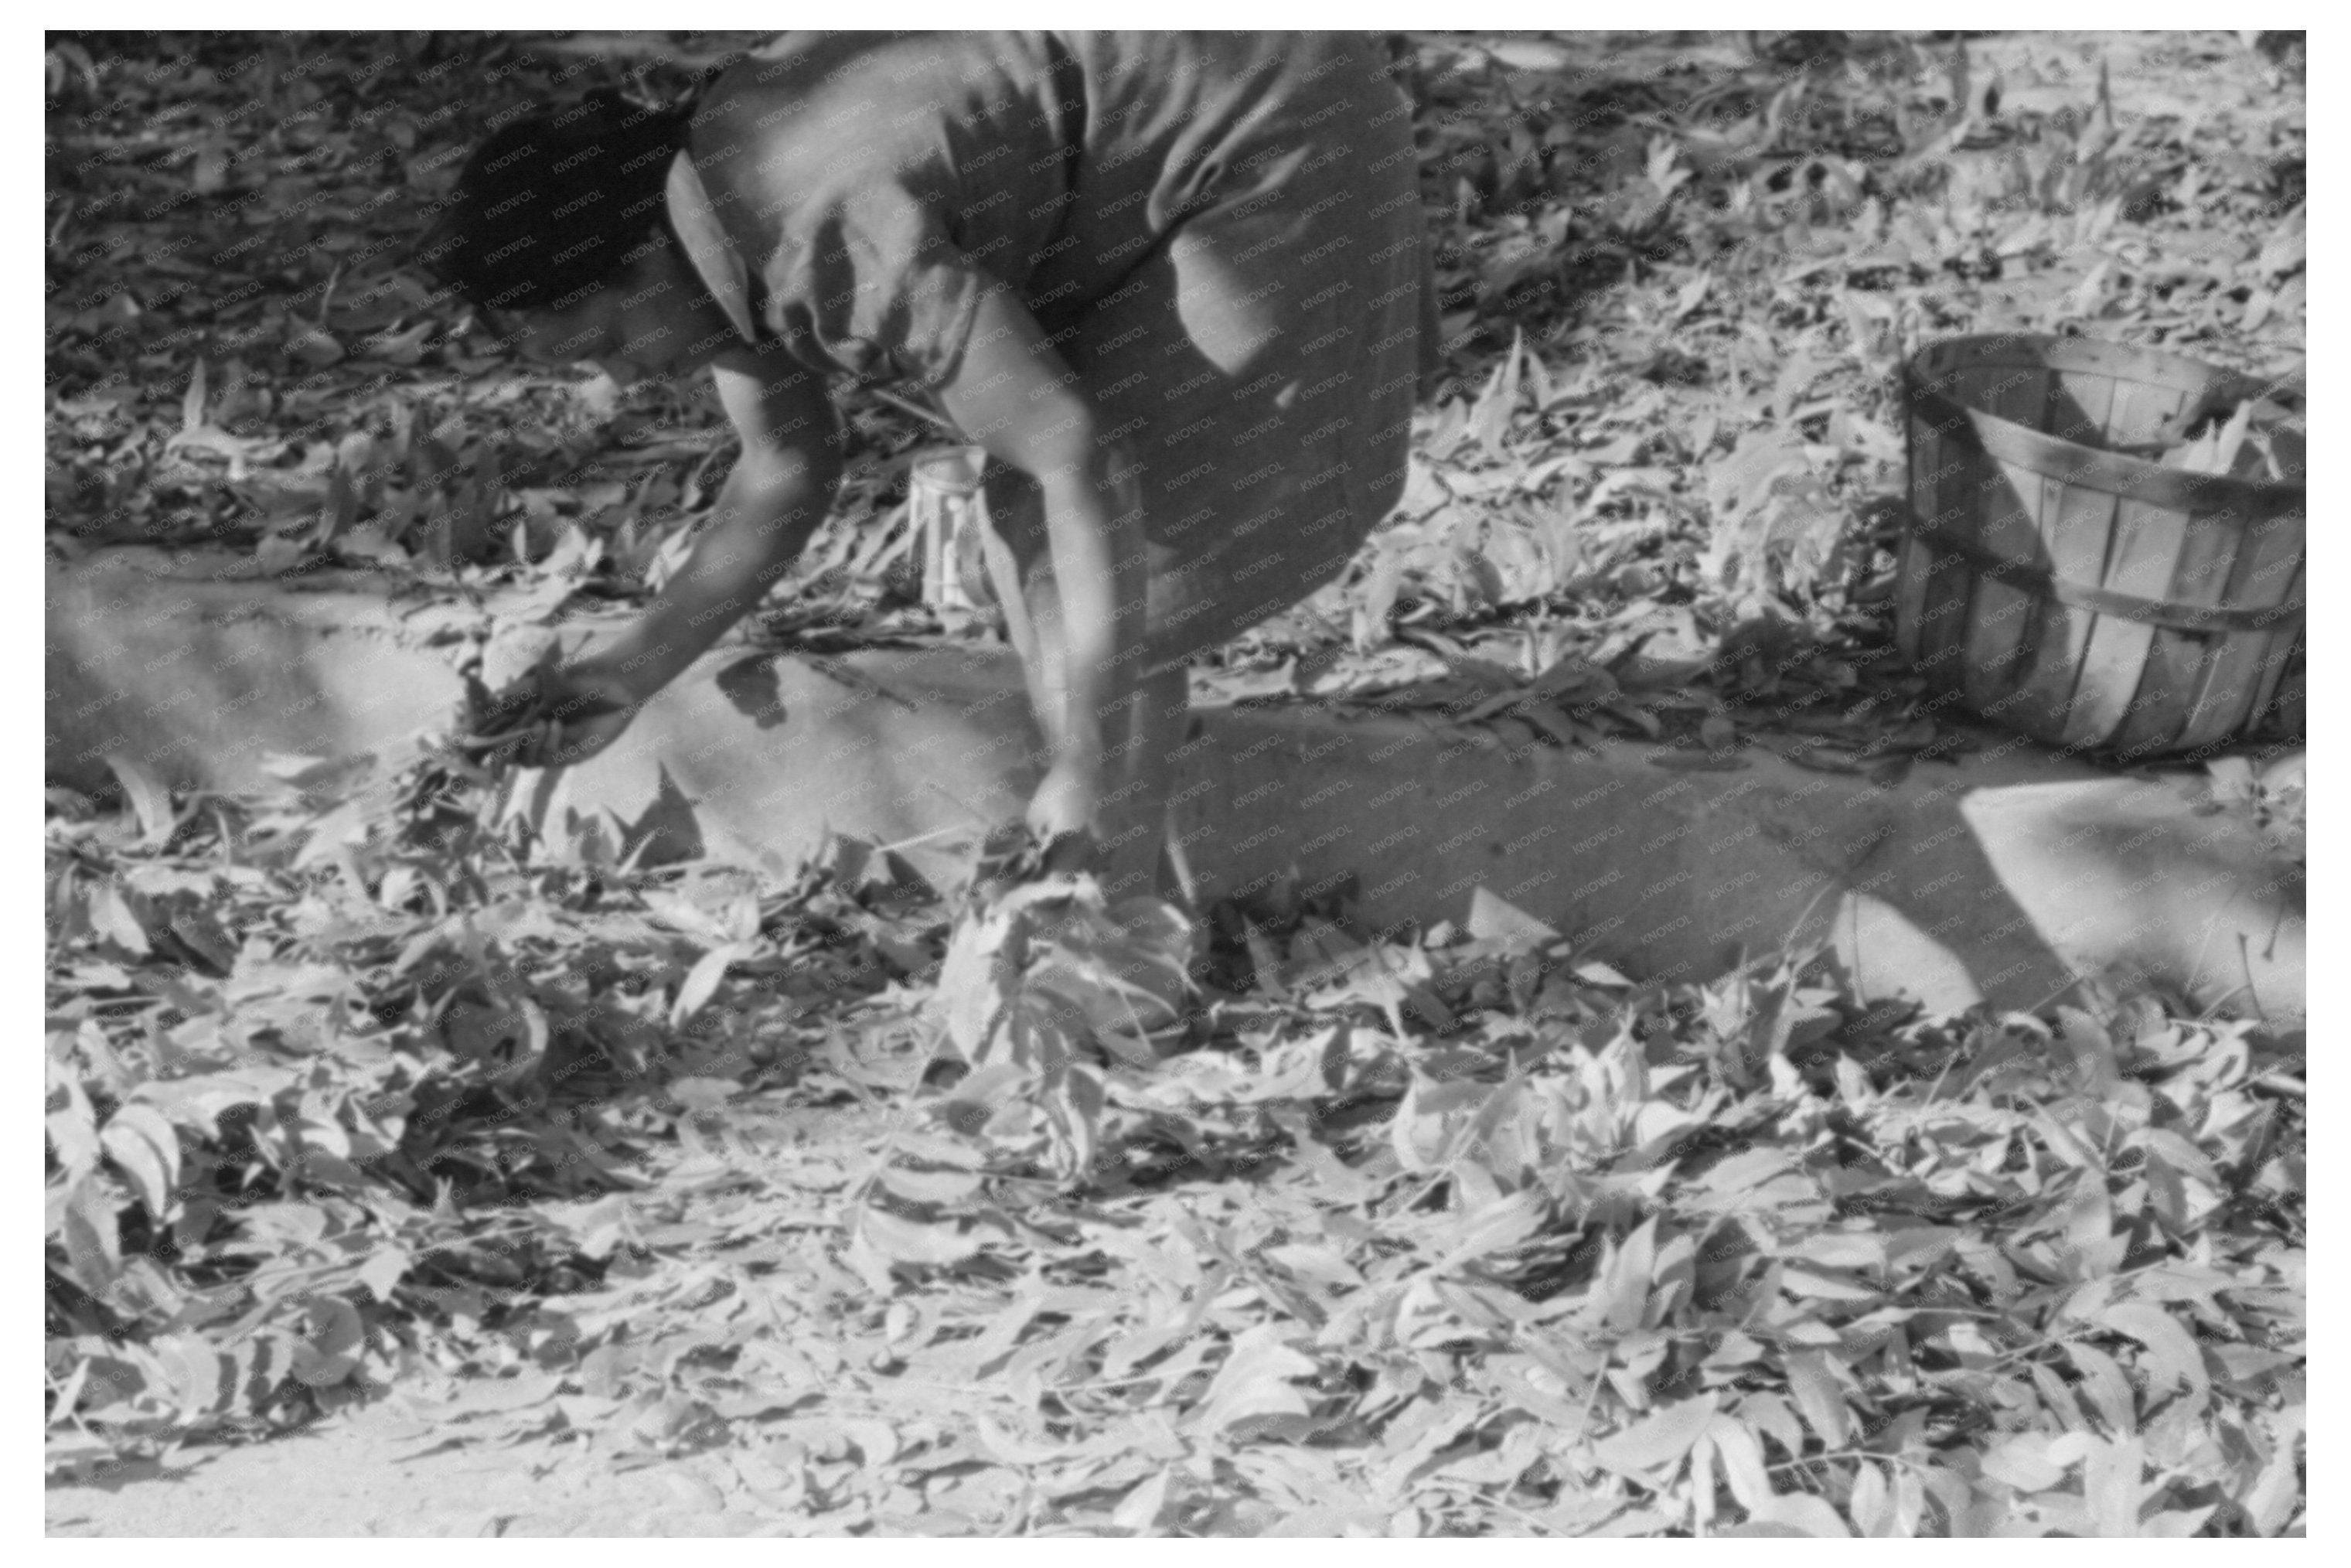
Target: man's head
[(557, 230)]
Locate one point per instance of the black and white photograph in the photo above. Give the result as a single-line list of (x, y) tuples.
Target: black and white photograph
[(1227, 783)]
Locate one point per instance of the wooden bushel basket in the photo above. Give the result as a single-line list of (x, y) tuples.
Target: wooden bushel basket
[(2080, 594)]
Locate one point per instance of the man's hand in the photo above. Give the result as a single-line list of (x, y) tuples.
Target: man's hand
[(554, 715), (1067, 800)]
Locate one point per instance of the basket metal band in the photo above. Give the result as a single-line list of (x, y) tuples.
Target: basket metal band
[(2167, 613)]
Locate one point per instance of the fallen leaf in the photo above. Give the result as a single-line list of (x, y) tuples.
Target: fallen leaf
[(1659, 1442)]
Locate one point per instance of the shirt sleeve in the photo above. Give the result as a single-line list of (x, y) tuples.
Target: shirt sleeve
[(855, 268)]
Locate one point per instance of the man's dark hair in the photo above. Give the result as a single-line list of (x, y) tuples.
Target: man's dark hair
[(556, 202)]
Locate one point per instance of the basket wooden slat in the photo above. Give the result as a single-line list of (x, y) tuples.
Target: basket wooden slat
[(2082, 523), (1915, 566), (2084, 595), (2000, 617), (1935, 586), (2282, 661), (2289, 679), (2267, 570), (2139, 561), (2178, 669), (2128, 558)]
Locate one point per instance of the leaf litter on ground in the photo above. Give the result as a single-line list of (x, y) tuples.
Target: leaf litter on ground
[(1542, 1250)]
